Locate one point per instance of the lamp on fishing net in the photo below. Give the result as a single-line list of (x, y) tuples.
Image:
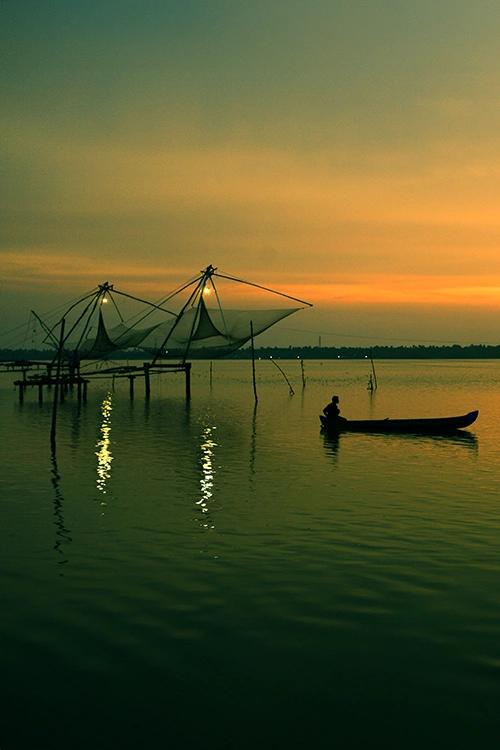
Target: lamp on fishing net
[(197, 331)]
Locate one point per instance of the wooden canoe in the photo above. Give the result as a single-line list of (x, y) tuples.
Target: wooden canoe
[(437, 425)]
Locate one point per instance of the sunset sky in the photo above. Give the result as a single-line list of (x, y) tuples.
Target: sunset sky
[(342, 151)]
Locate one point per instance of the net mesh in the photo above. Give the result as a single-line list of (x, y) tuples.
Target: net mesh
[(200, 332), (196, 332)]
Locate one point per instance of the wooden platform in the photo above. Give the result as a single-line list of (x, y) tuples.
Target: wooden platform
[(72, 377)]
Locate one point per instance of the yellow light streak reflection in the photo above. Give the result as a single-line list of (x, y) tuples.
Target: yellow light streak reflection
[(208, 473), (103, 452)]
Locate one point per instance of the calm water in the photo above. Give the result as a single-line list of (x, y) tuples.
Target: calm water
[(224, 576)]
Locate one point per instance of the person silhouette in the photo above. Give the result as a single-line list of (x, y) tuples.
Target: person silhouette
[(331, 410)]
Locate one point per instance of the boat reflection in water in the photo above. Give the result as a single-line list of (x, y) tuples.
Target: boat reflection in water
[(103, 452), (427, 426), (207, 446), (457, 438)]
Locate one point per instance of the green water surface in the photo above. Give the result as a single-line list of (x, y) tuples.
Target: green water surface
[(221, 575)]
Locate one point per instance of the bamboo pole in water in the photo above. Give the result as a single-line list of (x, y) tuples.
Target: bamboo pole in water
[(373, 370), (292, 392), (303, 373), (253, 363), (187, 371)]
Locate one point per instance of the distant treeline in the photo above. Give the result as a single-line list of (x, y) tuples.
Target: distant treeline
[(455, 351)]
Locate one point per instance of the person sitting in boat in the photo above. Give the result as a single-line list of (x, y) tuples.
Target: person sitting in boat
[(332, 411)]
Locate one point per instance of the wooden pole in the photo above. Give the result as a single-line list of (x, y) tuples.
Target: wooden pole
[(292, 392), (303, 374), (131, 386), (147, 381), (210, 374), (373, 370), (188, 380), (253, 363), (40, 393), (56, 389)]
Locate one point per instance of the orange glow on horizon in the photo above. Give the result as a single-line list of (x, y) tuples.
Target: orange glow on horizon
[(33, 270)]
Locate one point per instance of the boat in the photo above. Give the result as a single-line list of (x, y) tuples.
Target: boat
[(437, 425)]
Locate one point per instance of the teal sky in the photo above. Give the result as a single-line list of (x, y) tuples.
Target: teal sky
[(346, 152)]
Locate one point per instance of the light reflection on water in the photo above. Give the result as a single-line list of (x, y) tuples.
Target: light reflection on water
[(103, 452), (208, 470)]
